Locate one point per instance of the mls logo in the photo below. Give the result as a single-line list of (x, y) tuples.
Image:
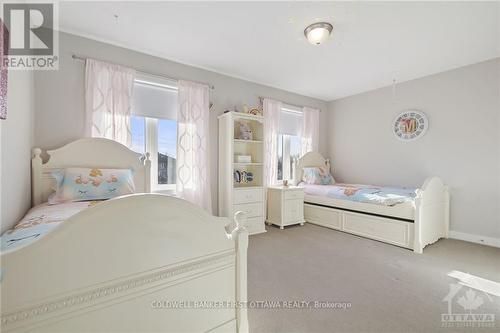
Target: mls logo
[(31, 41), (31, 28)]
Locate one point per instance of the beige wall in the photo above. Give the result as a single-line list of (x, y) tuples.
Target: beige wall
[(60, 104), (462, 145), (15, 149)]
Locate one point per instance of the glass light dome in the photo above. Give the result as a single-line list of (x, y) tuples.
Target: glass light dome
[(319, 32)]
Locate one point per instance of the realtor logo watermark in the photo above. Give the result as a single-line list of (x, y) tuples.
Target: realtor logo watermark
[(468, 312), (32, 36)]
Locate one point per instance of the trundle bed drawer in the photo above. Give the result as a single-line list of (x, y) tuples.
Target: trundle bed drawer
[(383, 229), (327, 217), (379, 228)]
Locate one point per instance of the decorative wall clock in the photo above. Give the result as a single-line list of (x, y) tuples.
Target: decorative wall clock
[(410, 125)]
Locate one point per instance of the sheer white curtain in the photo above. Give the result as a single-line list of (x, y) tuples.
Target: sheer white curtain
[(309, 135), (272, 114), (108, 95), (193, 182)]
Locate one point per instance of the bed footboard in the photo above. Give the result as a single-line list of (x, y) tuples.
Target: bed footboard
[(137, 263), (432, 218)]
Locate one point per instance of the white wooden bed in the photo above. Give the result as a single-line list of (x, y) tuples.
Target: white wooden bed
[(121, 265), (412, 225)]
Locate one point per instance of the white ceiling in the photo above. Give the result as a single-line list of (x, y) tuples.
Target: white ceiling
[(263, 42)]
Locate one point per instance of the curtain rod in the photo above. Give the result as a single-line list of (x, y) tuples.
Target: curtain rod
[(82, 58), (261, 98)]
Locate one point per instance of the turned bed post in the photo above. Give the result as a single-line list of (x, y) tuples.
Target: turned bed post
[(419, 217), (240, 236)]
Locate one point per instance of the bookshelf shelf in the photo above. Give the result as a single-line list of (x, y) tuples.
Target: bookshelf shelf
[(238, 163), (247, 141)]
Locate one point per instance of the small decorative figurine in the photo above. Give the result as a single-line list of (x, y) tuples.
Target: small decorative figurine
[(256, 111)]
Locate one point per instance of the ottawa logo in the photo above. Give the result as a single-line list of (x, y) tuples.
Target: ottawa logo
[(467, 313)]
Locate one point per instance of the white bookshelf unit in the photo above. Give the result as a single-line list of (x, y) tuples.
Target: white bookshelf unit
[(236, 191)]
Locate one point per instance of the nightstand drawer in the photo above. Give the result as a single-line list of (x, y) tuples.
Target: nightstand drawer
[(294, 211), (294, 195), (247, 196), (251, 210)]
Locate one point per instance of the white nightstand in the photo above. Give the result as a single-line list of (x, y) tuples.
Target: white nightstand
[(285, 205)]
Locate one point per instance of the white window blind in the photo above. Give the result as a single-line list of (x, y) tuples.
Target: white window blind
[(290, 120), (154, 98)]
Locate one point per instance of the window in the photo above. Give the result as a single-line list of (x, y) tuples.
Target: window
[(288, 142), (154, 128), (288, 154), (167, 150), (138, 129)]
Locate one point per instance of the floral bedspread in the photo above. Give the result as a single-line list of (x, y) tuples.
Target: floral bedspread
[(385, 196), (39, 221)]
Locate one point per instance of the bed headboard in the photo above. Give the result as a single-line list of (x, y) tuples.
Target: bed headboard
[(87, 153), (311, 159)]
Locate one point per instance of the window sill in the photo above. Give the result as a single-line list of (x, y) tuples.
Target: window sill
[(165, 191)]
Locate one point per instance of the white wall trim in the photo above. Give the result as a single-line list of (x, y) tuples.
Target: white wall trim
[(490, 241)]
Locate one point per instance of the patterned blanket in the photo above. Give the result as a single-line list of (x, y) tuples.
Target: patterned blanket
[(39, 221), (385, 196)]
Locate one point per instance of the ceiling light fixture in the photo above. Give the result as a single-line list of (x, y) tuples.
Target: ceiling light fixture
[(319, 32)]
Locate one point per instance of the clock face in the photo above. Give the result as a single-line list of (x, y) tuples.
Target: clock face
[(410, 125)]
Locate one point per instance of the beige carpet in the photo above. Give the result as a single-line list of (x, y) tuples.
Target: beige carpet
[(390, 289)]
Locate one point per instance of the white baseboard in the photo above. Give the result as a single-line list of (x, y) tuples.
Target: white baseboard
[(491, 241)]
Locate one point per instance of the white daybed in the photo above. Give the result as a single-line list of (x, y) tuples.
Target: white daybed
[(412, 225), (121, 265)]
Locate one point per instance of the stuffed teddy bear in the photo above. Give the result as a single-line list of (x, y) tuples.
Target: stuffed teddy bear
[(245, 131)]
